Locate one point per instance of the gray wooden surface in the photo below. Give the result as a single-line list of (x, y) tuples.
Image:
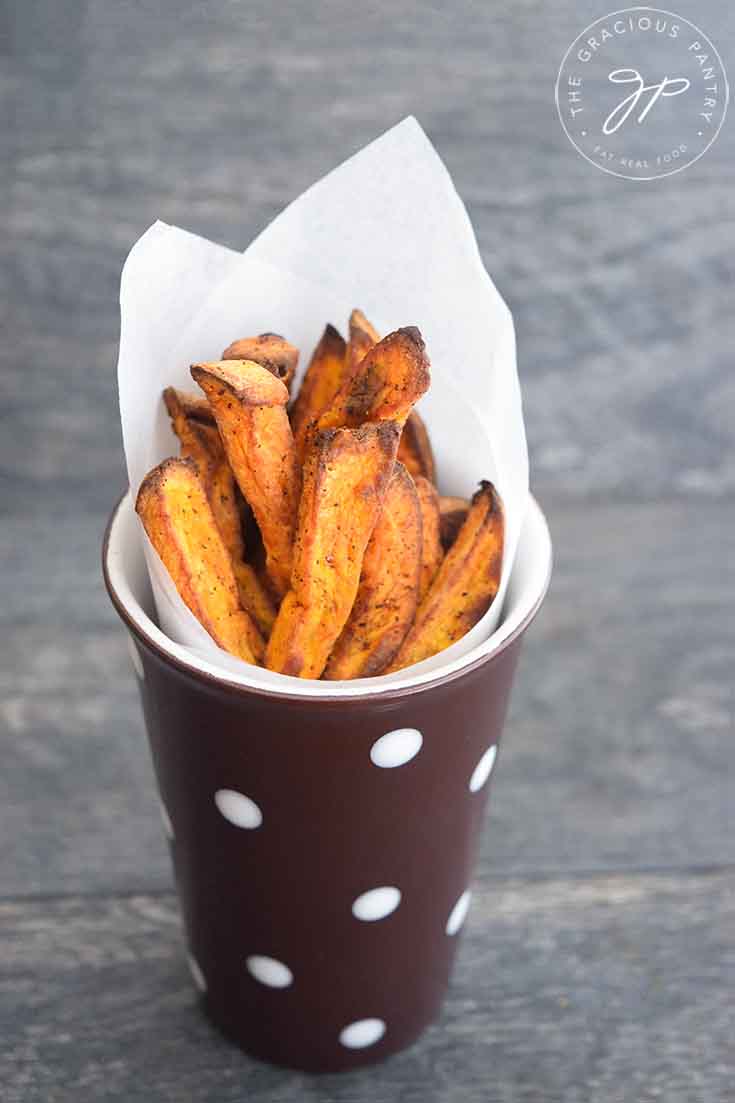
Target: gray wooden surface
[(591, 990), (598, 959)]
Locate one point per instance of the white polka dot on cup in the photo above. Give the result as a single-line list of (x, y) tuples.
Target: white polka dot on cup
[(458, 914), (396, 748), (269, 971), (135, 658), (376, 903), (238, 809), (362, 1033), (196, 974), (483, 769)]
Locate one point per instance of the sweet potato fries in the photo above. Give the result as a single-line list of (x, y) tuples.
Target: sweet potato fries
[(463, 587), (345, 479), (354, 565), (249, 405), (387, 596), (173, 506)]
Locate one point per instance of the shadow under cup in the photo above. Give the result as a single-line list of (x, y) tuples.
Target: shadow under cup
[(323, 848)]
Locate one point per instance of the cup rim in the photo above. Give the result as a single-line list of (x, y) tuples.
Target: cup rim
[(139, 625)]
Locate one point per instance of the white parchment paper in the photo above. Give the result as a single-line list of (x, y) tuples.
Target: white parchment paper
[(386, 231)]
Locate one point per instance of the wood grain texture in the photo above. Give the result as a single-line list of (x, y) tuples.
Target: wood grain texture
[(619, 741), (594, 991), (621, 291)]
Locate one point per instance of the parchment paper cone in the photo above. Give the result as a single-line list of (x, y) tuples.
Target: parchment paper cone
[(385, 231)]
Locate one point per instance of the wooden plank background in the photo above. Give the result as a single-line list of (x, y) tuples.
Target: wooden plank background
[(595, 961)]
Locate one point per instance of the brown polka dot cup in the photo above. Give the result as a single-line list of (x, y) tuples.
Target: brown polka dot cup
[(323, 849)]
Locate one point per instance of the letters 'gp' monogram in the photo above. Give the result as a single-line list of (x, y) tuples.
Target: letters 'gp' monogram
[(669, 86)]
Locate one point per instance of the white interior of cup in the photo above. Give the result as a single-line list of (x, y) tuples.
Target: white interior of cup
[(129, 580)]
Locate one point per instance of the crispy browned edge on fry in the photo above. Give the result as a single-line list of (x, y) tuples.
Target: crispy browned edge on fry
[(249, 404), (392, 376), (432, 552), (345, 477), (245, 380), (270, 350), (322, 381), (452, 514), (362, 336), (415, 451), (173, 506), (387, 596), (465, 584), (191, 420), (193, 406)]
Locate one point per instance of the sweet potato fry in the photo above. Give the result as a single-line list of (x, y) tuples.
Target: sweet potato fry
[(363, 335), (390, 379), (253, 597), (452, 515), (414, 451), (194, 424), (200, 441), (464, 586), (389, 584), (193, 406), (190, 426), (173, 506), (345, 478), (249, 404), (222, 494), (323, 379), (270, 350), (432, 552)]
